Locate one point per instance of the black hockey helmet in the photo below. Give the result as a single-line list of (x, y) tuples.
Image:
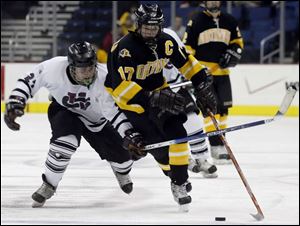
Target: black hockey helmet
[(81, 54), (149, 14), (213, 6), (82, 61)]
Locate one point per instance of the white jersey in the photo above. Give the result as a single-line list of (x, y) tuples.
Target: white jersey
[(174, 35), (170, 72), (93, 105)]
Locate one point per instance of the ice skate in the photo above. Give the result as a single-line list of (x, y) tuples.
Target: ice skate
[(188, 186), (180, 196), (43, 193), (220, 155), (204, 167), (124, 181)]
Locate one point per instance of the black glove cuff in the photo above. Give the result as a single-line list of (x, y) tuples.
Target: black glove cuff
[(200, 77)]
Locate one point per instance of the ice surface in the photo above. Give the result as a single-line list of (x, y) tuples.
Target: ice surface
[(89, 192)]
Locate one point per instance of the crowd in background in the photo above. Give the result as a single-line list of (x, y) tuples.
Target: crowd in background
[(19, 9)]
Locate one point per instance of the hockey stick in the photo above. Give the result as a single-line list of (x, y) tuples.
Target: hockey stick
[(259, 215), (213, 69), (180, 84), (287, 100)]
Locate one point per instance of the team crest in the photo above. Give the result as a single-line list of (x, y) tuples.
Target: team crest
[(124, 53)]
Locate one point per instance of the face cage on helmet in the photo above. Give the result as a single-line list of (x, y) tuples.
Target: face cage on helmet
[(150, 39), (85, 81), (149, 32)]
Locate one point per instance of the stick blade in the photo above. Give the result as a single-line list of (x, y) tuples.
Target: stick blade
[(258, 216), (291, 92)]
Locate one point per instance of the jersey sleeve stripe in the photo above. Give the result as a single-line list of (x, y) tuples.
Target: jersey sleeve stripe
[(20, 91), (214, 68), (190, 50), (191, 67), (176, 79), (124, 93), (23, 81), (238, 41), (120, 123), (116, 117)]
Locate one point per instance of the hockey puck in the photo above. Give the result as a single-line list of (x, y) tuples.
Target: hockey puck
[(220, 218)]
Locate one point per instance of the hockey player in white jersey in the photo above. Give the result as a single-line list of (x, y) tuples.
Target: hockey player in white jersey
[(80, 107), (198, 160)]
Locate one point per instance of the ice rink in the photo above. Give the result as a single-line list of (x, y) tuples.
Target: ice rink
[(89, 193)]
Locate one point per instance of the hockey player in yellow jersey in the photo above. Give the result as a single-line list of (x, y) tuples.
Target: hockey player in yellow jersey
[(213, 37), (136, 82)]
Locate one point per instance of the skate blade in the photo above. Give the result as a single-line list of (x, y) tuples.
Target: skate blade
[(209, 175), (222, 161), (184, 208), (36, 204)]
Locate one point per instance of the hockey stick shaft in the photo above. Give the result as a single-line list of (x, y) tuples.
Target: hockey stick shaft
[(282, 110), (213, 69), (180, 84), (208, 134), (259, 215)]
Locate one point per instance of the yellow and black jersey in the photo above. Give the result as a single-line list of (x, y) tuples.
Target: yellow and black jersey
[(135, 68), (208, 38)]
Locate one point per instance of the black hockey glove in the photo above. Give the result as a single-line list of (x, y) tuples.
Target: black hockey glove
[(231, 57), (205, 95), (167, 100), (14, 108), (190, 105), (134, 143)]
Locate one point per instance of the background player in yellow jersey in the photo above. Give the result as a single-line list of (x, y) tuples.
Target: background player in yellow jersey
[(213, 37)]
